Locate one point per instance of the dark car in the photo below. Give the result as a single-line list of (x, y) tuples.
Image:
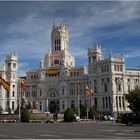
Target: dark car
[(131, 118)]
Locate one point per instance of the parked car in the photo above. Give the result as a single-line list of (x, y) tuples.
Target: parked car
[(131, 118), (110, 118)]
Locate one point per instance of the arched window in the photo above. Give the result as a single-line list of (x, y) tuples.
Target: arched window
[(52, 94), (105, 87), (56, 62), (119, 86)]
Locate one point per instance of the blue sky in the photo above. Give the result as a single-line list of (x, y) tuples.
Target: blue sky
[(25, 28)]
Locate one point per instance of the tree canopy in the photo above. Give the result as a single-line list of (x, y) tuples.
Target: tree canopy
[(133, 98)]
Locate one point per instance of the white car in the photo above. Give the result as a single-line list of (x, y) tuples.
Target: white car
[(110, 118), (77, 118)]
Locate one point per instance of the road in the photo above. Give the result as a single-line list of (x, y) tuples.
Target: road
[(77, 130)]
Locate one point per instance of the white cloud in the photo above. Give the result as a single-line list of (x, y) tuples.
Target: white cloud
[(133, 54), (30, 34)]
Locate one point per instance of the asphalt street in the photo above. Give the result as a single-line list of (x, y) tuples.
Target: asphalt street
[(76, 130)]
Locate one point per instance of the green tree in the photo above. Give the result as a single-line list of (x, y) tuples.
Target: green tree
[(75, 110), (68, 115), (133, 98), (92, 112), (25, 115), (83, 111)]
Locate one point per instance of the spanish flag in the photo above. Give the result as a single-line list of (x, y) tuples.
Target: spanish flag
[(4, 83), (78, 89), (89, 91), (22, 85)]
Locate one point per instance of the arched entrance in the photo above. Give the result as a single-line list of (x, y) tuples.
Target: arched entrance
[(53, 101)]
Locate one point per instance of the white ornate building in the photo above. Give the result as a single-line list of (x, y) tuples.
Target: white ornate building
[(9, 72), (53, 86), (111, 81)]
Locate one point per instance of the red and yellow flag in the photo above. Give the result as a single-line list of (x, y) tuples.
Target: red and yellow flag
[(22, 85), (78, 89), (4, 83), (89, 91)]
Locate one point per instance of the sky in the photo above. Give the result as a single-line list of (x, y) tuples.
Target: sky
[(25, 29)]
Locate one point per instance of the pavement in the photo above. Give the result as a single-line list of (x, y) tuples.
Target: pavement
[(75, 130)]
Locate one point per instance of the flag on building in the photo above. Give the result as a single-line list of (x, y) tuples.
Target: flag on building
[(89, 91), (4, 83), (22, 85), (78, 89)]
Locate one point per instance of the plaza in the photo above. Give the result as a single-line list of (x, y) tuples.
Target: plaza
[(82, 130)]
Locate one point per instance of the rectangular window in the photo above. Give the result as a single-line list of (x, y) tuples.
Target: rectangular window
[(8, 94), (123, 101), (63, 91), (13, 94), (40, 106), (120, 102), (103, 102), (121, 68), (14, 65), (119, 87), (95, 102), (94, 58), (105, 87), (116, 102), (72, 104), (106, 102), (13, 105), (115, 68), (9, 64), (63, 105)]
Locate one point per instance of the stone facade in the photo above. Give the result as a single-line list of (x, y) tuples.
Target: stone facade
[(53, 87), (9, 72), (111, 81)]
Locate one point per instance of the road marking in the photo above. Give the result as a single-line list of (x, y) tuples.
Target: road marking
[(108, 130), (124, 134), (48, 135), (3, 135), (46, 132), (74, 134)]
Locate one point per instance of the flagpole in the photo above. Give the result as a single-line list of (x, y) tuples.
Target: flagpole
[(78, 98), (87, 105), (79, 105), (19, 103)]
